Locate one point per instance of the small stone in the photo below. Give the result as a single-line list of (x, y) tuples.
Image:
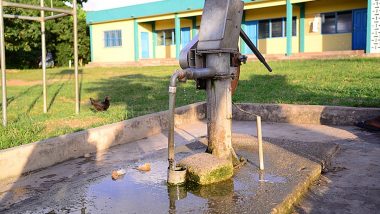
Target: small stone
[(87, 155), (144, 167), (116, 174)]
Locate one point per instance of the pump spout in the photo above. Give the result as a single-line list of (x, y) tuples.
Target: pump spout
[(179, 74), (176, 175)]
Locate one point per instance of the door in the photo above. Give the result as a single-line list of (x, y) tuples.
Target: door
[(251, 31), (359, 30), (144, 45), (185, 36)]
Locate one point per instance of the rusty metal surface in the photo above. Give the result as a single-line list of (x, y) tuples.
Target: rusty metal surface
[(235, 63)]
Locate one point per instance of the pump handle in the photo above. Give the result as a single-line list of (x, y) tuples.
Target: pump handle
[(254, 49)]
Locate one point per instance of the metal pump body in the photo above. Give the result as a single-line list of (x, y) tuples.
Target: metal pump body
[(213, 60)]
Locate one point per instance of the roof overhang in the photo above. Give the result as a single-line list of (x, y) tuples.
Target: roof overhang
[(166, 9)]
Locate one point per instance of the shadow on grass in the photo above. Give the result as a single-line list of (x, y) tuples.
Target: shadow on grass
[(56, 93), (25, 92), (69, 71), (140, 93)]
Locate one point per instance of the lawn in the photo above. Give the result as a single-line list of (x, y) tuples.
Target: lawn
[(137, 91)]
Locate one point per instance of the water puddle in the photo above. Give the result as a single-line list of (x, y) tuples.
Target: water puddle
[(147, 192)]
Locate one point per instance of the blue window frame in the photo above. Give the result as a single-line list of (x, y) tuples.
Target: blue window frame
[(166, 37), (112, 38), (275, 28), (337, 22)]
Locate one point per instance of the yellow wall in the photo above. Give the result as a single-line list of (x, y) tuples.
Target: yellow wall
[(169, 51), (274, 45), (113, 54), (314, 41), (318, 42)]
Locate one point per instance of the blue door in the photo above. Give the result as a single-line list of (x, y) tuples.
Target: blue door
[(185, 36), (144, 45), (359, 30), (251, 31)]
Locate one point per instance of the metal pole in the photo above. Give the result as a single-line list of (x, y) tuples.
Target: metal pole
[(12, 16), (219, 108), (260, 141), (3, 74), (56, 16), (76, 56), (51, 5), (34, 7), (43, 45)]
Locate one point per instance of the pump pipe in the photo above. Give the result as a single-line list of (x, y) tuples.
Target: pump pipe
[(179, 74), (189, 73)]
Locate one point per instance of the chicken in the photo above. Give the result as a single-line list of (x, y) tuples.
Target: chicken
[(101, 105)]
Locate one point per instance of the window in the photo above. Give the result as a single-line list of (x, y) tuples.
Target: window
[(277, 27), (344, 22), (273, 28), (112, 38), (328, 23), (264, 29), (166, 37), (339, 22)]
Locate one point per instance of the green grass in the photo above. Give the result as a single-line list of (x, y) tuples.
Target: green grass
[(137, 91)]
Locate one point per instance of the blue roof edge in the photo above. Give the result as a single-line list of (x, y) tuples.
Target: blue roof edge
[(144, 10)]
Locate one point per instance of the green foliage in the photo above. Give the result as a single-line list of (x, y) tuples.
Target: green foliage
[(23, 38)]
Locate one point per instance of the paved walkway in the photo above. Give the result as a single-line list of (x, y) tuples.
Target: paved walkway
[(352, 183)]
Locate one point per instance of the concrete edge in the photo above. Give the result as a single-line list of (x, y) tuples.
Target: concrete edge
[(22, 159), (297, 193), (25, 158), (304, 114), (302, 188)]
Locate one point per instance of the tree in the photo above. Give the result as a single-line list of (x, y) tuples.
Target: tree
[(23, 38)]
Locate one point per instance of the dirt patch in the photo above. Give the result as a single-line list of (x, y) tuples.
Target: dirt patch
[(16, 82)]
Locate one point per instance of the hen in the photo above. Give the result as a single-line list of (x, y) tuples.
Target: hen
[(101, 105)]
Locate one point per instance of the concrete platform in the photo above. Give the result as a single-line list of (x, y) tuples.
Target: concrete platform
[(294, 157)]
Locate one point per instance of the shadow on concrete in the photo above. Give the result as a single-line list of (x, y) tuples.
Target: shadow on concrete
[(24, 190)]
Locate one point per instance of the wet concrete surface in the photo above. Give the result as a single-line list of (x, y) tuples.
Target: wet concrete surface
[(352, 182), (293, 154)]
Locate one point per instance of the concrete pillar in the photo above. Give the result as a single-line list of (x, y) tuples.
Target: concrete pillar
[(368, 42), (289, 19), (194, 26), (154, 38), (243, 27), (302, 28), (91, 45), (177, 26), (136, 39), (219, 108)]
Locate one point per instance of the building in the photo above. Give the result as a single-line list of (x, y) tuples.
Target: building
[(286, 27)]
